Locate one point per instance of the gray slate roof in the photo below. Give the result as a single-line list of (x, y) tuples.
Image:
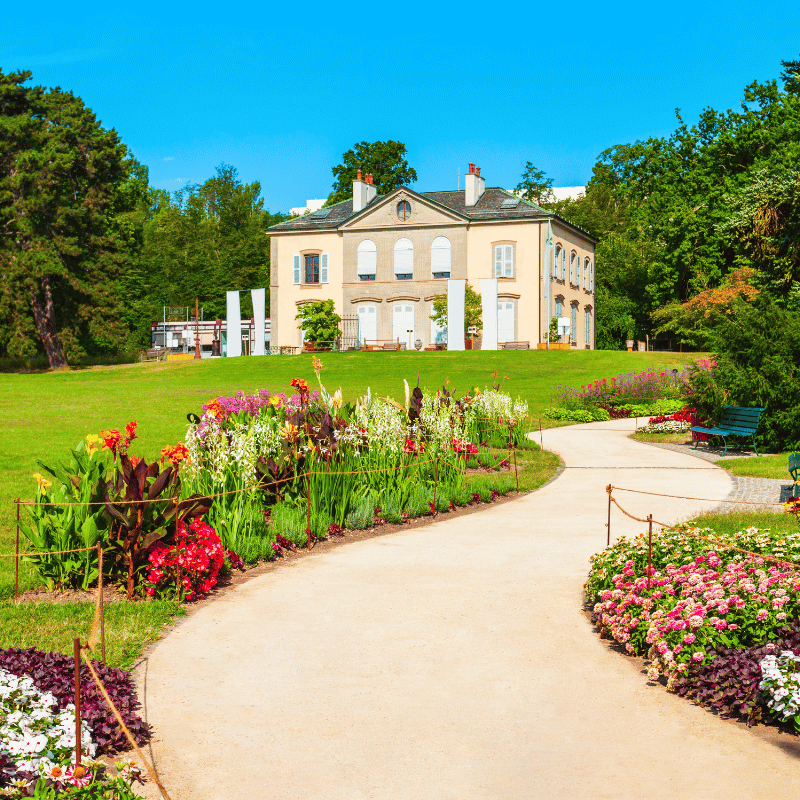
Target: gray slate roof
[(488, 207)]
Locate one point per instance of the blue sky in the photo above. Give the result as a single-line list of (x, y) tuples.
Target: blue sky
[(281, 92)]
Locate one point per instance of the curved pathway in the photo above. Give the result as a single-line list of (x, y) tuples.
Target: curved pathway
[(450, 662)]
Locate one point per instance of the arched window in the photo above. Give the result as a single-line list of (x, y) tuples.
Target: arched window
[(572, 267), (556, 262), (403, 259), (440, 257), (588, 270), (367, 260)]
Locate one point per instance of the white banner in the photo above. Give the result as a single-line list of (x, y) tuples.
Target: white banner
[(455, 313), (234, 324), (259, 299), (489, 311)]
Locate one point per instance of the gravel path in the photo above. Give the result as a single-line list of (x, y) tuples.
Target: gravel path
[(451, 662), (746, 490)]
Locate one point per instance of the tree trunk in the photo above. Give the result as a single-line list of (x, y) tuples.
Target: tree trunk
[(45, 318)]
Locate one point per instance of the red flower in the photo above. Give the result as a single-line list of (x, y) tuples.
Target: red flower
[(130, 430), (300, 385)]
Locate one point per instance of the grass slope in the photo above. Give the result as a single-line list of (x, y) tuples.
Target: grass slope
[(44, 414)]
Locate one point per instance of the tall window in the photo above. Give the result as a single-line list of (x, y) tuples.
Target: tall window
[(578, 271), (572, 267), (311, 268), (440, 257), (587, 326), (563, 265), (404, 259), (505, 321), (556, 262), (504, 261), (403, 324), (367, 260), (573, 323), (559, 309), (367, 323), (590, 268)]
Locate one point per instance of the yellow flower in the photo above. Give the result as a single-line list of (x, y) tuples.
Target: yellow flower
[(93, 443), (42, 481), (477, 390), (336, 400), (289, 432), (317, 364), (275, 401)]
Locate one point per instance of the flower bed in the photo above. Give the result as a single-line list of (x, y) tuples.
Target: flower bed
[(258, 469), (37, 729), (706, 607)]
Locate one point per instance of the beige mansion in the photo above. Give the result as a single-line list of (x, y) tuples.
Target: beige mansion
[(384, 258)]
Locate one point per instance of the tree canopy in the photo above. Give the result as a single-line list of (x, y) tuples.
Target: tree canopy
[(385, 161), (535, 186), (62, 251)]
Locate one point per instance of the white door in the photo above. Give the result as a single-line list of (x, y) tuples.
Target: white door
[(505, 322), (367, 323), (402, 323)]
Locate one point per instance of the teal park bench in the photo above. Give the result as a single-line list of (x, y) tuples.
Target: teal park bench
[(794, 471), (741, 423)]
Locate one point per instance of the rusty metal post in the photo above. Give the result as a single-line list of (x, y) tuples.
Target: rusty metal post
[(516, 471), (77, 648), (435, 483), (649, 548), (308, 510), (16, 556), (102, 604), (608, 524)]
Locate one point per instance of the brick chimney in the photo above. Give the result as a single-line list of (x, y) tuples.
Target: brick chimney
[(474, 185), (364, 191)]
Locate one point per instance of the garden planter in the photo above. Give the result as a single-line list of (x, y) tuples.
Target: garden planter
[(554, 346)]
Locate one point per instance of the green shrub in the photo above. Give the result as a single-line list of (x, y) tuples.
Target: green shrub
[(363, 515), (569, 414), (462, 496), (391, 509), (757, 354), (290, 522), (442, 500), (419, 504)]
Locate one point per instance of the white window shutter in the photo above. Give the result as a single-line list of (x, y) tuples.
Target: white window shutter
[(498, 261), (509, 261), (563, 265), (323, 268), (440, 254), (296, 262)]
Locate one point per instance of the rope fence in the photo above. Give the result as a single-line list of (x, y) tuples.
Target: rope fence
[(97, 635), (724, 545)]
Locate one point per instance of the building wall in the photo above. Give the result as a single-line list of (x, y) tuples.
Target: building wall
[(572, 292), (472, 257), (523, 288), (285, 296)]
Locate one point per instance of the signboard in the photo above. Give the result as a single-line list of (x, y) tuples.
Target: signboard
[(564, 326)]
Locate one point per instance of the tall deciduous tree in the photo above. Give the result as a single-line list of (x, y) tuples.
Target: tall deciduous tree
[(60, 253), (385, 161), (535, 186)]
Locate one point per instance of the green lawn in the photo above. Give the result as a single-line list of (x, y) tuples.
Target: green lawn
[(726, 523), (46, 413), (776, 466)]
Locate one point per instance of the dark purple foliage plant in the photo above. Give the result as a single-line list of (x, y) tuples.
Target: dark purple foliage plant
[(728, 683), (55, 673)]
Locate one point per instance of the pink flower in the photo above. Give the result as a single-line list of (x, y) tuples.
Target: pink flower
[(762, 614), (698, 656), (689, 638)]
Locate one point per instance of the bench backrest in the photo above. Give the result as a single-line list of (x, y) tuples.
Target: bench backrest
[(794, 465), (737, 417)]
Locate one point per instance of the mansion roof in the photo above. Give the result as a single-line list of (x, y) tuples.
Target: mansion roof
[(494, 204)]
